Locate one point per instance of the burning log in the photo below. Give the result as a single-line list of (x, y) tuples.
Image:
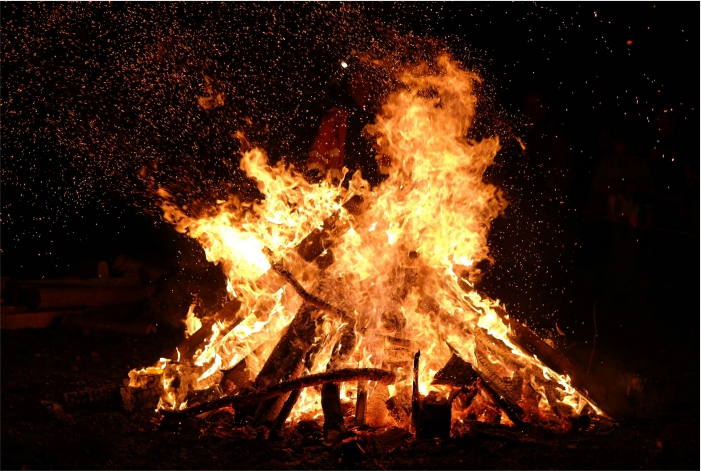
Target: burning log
[(234, 378), (334, 426), (430, 416), (187, 348), (310, 298), (294, 395), (308, 249), (142, 389), (361, 403), (286, 410), (530, 341), (253, 397), (512, 411), (322, 239), (286, 360), (415, 395), (457, 372)]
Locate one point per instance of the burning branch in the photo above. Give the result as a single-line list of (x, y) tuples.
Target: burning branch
[(310, 298), (253, 397), (309, 249)]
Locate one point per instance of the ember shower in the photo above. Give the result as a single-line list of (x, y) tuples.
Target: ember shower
[(399, 272), (181, 101)]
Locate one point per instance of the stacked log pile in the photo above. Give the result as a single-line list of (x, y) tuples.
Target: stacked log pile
[(95, 303), (277, 386)]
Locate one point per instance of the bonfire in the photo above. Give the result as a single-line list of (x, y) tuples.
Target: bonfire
[(357, 305)]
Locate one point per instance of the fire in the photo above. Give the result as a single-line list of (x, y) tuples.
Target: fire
[(403, 270)]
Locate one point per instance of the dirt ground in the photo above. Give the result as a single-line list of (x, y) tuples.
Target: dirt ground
[(38, 366)]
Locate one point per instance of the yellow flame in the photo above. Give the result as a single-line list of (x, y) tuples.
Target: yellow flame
[(399, 271)]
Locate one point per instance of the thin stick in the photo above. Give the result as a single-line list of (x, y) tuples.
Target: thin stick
[(308, 297), (416, 396), (596, 333), (333, 376)]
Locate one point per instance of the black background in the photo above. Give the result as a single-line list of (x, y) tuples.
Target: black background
[(99, 107)]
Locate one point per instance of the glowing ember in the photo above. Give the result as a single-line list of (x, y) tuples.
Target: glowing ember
[(402, 270)]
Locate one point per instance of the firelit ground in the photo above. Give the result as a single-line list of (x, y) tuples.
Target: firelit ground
[(40, 365)]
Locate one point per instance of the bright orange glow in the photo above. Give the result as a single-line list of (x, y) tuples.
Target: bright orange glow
[(403, 270)]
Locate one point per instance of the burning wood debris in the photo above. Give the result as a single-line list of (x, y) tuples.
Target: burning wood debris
[(334, 289)]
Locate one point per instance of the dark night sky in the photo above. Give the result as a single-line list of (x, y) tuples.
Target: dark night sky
[(99, 103)]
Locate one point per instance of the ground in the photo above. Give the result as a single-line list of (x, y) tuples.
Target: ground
[(40, 365)]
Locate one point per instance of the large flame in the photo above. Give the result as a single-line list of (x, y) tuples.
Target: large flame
[(402, 270)]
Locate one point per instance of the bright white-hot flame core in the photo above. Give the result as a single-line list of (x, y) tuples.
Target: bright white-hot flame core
[(401, 269)]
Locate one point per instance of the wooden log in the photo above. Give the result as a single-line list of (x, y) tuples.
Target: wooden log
[(286, 361), (52, 297), (308, 249), (434, 418), (89, 396), (88, 269), (512, 411), (253, 397), (203, 395), (334, 428), (532, 343), (415, 395), (286, 410), (361, 402), (186, 350), (235, 378), (102, 325), (147, 271), (457, 373), (310, 298), (13, 319)]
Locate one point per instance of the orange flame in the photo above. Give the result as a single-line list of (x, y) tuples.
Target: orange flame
[(399, 271)]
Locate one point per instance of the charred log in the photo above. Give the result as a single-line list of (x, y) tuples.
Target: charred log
[(512, 411), (286, 410), (142, 392), (361, 403), (310, 298), (457, 372), (309, 248), (235, 378), (286, 360), (253, 397), (430, 416), (333, 415), (434, 417), (322, 239), (415, 395), (187, 348), (102, 325)]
